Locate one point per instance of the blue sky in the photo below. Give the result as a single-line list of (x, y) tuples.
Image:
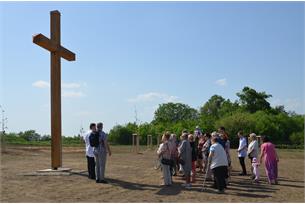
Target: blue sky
[(141, 54)]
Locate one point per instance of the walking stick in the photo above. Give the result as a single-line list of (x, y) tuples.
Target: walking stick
[(205, 177)]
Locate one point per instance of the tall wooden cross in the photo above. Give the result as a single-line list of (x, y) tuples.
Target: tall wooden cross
[(57, 51)]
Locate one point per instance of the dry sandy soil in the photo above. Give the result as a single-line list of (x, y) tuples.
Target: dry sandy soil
[(132, 179)]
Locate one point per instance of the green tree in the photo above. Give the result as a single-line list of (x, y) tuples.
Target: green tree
[(29, 135), (253, 101), (297, 138), (212, 106), (235, 122), (120, 135), (174, 112)]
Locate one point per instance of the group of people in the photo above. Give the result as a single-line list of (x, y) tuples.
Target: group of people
[(97, 148), (210, 153)]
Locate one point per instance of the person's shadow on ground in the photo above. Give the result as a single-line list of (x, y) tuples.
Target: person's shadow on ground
[(131, 185)]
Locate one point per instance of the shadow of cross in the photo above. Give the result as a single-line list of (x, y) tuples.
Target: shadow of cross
[(57, 52)]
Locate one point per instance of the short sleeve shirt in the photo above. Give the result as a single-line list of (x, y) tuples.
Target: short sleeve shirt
[(219, 158)]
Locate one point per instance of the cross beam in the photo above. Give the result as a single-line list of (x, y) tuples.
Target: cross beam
[(57, 52)]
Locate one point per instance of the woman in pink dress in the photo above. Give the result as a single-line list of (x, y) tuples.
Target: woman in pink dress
[(268, 153)]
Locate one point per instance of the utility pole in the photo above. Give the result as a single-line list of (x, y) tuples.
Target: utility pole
[(136, 115), (3, 128)]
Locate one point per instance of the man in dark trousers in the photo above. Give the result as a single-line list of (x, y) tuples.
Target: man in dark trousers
[(219, 164), (242, 152), (89, 152)]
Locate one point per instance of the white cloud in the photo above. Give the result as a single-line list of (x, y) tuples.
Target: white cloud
[(152, 96), (45, 84), (72, 94), (221, 82), (70, 85), (41, 84), (67, 94)]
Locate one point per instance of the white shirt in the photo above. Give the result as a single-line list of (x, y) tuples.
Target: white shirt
[(164, 150), (89, 149), (220, 157), (242, 147)]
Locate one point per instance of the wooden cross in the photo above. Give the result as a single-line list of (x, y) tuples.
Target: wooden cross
[(57, 51)]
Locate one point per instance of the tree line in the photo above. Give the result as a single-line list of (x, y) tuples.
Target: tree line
[(250, 113), (31, 137)]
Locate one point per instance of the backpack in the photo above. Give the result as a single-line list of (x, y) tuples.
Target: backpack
[(94, 139)]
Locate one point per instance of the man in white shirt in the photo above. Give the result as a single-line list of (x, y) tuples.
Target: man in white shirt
[(242, 152), (89, 152), (219, 164)]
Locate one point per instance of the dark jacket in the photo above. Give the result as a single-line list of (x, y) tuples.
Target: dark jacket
[(194, 151)]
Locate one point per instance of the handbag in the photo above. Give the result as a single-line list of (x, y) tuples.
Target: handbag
[(169, 162)]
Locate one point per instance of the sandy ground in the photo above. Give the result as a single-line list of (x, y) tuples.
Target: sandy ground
[(132, 179)]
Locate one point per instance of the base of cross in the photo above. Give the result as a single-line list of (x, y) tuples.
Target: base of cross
[(58, 171)]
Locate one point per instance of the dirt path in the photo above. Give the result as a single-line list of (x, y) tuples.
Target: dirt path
[(132, 179)]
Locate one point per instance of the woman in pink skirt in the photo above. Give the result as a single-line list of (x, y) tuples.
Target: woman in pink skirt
[(268, 153)]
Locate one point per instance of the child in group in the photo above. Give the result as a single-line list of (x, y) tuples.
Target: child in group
[(255, 165)]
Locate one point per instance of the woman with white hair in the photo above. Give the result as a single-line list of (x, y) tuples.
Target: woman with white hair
[(164, 152), (252, 150), (185, 154)]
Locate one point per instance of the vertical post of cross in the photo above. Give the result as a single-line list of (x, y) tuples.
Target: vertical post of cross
[(55, 93)]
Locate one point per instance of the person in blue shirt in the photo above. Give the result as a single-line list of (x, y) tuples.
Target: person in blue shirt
[(242, 152)]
